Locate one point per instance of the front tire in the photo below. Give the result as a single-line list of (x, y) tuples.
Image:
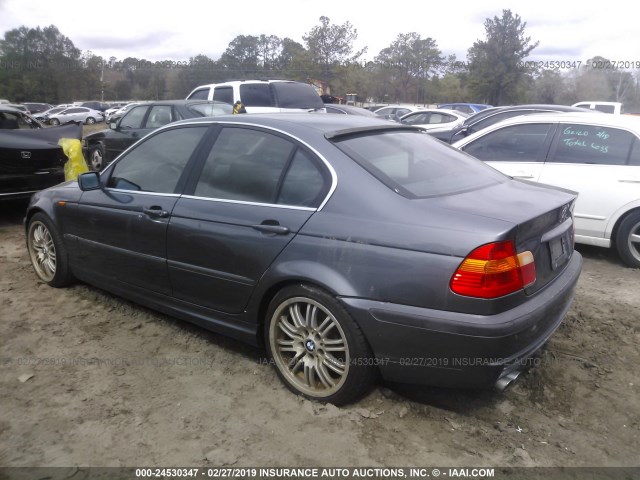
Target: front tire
[(47, 252), (54, 121), (90, 121), (628, 240), (316, 347), (96, 158)]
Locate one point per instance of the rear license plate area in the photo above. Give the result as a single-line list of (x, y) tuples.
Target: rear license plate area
[(559, 251)]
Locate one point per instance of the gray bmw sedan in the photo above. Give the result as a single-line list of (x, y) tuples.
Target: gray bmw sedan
[(350, 247)]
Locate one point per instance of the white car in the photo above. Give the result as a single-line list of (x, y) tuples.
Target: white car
[(394, 112), (434, 119), (597, 155), (76, 114), (263, 96), (604, 107)]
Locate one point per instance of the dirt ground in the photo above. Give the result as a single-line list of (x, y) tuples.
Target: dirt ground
[(91, 380)]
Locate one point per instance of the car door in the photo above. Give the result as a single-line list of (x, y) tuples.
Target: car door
[(516, 150), (602, 164), (77, 114), (254, 191), (120, 229)]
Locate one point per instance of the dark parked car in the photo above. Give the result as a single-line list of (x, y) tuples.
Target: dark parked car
[(349, 246), (37, 107), (101, 148), (30, 157), (493, 115), (93, 104)]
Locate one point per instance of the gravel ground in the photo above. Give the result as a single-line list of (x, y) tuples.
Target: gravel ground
[(89, 379)]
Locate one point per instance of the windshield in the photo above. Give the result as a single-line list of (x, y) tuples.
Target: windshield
[(416, 165)]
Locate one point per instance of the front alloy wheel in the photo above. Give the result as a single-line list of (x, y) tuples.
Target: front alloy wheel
[(96, 158), (317, 349), (47, 252)]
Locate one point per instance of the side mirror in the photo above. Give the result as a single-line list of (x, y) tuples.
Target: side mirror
[(113, 125), (89, 181)]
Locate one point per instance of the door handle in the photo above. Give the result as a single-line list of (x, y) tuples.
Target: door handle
[(629, 180), (155, 212), (271, 228)]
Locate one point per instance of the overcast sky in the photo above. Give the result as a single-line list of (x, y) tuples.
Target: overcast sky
[(567, 30)]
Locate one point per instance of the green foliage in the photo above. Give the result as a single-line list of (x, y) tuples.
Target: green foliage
[(495, 73), (331, 46), (41, 64), (410, 60)]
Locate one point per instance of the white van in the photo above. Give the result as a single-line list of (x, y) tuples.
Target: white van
[(263, 96), (605, 107)]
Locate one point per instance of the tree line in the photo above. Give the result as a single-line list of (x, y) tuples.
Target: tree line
[(42, 64)]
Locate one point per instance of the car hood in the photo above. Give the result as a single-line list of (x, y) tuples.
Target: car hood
[(41, 138)]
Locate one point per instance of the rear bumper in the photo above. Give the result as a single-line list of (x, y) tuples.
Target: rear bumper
[(433, 347)]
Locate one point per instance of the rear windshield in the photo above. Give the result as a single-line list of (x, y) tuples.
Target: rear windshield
[(416, 165), (296, 95)]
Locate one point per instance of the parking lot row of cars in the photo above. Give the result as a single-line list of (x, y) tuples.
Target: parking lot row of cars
[(346, 242)]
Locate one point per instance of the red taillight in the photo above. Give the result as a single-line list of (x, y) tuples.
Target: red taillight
[(494, 270)]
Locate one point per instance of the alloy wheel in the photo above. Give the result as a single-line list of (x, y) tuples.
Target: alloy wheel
[(309, 347)]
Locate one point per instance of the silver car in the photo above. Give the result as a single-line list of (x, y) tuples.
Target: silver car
[(76, 114)]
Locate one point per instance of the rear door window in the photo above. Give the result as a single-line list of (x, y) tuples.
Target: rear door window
[(592, 144), (249, 165)]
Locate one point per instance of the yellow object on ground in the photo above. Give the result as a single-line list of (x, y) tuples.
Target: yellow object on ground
[(76, 164)]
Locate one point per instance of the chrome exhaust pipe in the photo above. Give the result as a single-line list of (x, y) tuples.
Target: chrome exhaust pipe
[(506, 380)]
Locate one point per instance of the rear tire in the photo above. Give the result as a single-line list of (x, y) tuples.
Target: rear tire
[(316, 347), (628, 240), (47, 252)]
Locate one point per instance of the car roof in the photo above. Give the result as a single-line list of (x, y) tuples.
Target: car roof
[(595, 118), (298, 123), (437, 110), (240, 82), (350, 108), (470, 104), (588, 118), (533, 106)]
